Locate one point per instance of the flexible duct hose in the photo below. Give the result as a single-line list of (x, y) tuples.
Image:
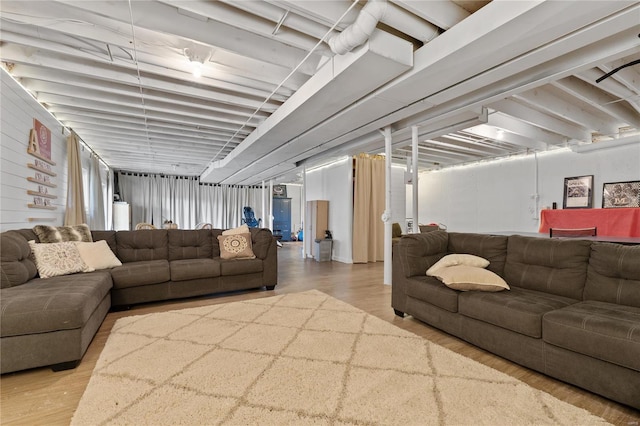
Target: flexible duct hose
[(360, 31)]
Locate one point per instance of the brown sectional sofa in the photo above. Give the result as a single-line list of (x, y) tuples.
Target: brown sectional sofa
[(52, 321), (573, 311)]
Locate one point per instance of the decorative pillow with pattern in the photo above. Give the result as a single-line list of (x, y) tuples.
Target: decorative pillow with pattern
[(236, 246), (243, 229), (59, 234), (53, 259)]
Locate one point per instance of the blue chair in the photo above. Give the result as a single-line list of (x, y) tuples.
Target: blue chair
[(250, 218)]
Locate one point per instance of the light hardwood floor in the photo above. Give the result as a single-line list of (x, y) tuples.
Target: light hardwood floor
[(42, 397)]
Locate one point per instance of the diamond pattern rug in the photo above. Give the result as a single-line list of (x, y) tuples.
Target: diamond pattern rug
[(299, 359)]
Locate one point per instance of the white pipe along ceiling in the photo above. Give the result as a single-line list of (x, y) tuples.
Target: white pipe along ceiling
[(240, 92)]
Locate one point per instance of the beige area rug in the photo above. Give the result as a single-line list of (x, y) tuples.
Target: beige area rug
[(298, 359)]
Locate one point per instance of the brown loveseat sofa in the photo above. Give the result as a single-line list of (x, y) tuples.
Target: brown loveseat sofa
[(52, 321), (573, 310)]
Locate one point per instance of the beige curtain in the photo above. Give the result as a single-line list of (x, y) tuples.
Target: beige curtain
[(368, 206), (74, 214)]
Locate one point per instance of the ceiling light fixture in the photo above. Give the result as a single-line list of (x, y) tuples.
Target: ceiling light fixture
[(197, 57)]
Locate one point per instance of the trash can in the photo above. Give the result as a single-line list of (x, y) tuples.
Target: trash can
[(322, 250)]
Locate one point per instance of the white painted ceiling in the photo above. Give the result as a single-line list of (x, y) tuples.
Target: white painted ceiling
[(478, 80)]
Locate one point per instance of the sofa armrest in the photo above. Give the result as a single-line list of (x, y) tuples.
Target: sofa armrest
[(417, 252)]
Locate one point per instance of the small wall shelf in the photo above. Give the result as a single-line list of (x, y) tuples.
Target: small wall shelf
[(41, 182), (40, 169), (35, 206), (41, 219), (41, 194)]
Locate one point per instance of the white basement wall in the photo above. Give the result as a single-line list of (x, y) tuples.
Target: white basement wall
[(17, 111), (334, 183), (500, 195)]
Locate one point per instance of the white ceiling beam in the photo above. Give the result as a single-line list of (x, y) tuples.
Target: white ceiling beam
[(599, 100), (79, 106), (150, 109), (166, 19), (39, 65), (541, 119), (494, 133), (611, 86), (75, 120), (629, 76), (221, 13), (65, 114), (546, 100), (162, 61), (470, 147), (293, 20), (152, 98), (442, 13), (530, 131)]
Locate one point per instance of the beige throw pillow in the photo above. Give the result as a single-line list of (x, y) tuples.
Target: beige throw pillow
[(465, 278), (53, 259), (244, 229), (458, 259), (98, 255), (58, 234), (236, 246)]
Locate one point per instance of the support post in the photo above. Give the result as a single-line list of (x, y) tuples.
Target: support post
[(271, 204), (303, 214), (263, 211), (414, 180), (386, 216)]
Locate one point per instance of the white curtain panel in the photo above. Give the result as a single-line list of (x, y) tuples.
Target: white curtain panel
[(135, 189), (97, 211), (185, 201)]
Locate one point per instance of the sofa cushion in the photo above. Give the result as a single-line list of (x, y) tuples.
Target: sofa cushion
[(491, 247), (148, 244), (468, 278), (58, 303), (16, 265), (431, 290), (518, 310), (190, 244), (613, 274), (191, 269), (58, 234), (598, 329), (555, 266), (418, 252), (134, 274), (53, 259), (239, 266)]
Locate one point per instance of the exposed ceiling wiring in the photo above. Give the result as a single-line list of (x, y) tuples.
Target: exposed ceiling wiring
[(135, 59)]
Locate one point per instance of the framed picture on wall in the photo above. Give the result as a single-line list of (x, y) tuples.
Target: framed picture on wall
[(621, 194), (578, 192), (280, 191)]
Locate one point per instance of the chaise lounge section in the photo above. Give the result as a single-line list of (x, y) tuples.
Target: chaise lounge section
[(51, 321), (572, 311)]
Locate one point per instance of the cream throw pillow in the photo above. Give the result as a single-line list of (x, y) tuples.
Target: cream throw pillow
[(465, 278), (236, 246), (458, 259), (53, 259), (243, 229), (98, 255)]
